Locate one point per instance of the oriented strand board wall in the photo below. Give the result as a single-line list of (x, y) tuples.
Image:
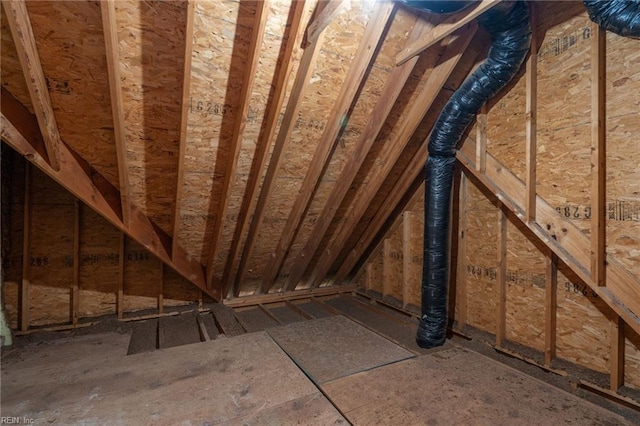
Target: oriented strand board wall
[(51, 259)]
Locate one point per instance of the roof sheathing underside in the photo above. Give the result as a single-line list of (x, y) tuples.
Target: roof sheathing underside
[(151, 48)]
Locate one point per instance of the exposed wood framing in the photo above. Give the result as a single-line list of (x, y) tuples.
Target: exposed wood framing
[(448, 26), (531, 115), (82, 180), (282, 142), (22, 33), (331, 9), (560, 235), (481, 138), (551, 308), (294, 295), (184, 120), (617, 353), (353, 80), (161, 290), (75, 285), (598, 155), (434, 84), (110, 29), (501, 278), (25, 284), (296, 32), (369, 276), (120, 285), (386, 275), (461, 275), (257, 35)]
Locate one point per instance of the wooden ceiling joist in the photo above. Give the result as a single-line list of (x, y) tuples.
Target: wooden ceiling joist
[(436, 80), (20, 131), (25, 43), (448, 26), (184, 117), (331, 9), (257, 35), (108, 12), (371, 38), (282, 141), (296, 31)]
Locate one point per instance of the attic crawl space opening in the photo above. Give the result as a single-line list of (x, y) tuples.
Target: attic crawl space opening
[(158, 155)]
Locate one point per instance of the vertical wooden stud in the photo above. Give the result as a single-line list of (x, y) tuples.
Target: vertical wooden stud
[(598, 155), (75, 286), (26, 252), (369, 276), (551, 308), (386, 274), (501, 326), (161, 290), (617, 352), (531, 124), (406, 256), (461, 276), (120, 289), (481, 140)]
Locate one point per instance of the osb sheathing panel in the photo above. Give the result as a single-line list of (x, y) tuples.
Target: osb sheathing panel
[(143, 276), (413, 280), (392, 258), (11, 72), (376, 272), (623, 151), (177, 290), (151, 47), (99, 264), (482, 252), (70, 44), (51, 271), (632, 358), (331, 67), (564, 107)]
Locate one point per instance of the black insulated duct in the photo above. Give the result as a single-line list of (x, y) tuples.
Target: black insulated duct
[(508, 25), (510, 30), (618, 16)]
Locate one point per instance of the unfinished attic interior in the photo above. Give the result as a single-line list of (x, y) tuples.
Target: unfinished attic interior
[(213, 211)]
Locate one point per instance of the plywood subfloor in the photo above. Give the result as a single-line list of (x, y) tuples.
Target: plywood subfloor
[(458, 387), (329, 348), (241, 380)]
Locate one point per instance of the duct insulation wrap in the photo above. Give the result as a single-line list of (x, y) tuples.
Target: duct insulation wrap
[(618, 16), (510, 30)]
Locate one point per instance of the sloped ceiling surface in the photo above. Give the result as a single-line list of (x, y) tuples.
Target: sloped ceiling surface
[(256, 141)]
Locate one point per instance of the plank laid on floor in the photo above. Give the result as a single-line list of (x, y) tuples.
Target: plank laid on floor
[(179, 330), (254, 319), (329, 348), (209, 324), (144, 337), (244, 380), (226, 319), (314, 309), (429, 390), (284, 314), (400, 331)]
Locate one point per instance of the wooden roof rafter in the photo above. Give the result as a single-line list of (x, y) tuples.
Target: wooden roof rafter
[(184, 118), (448, 26), (19, 128), (300, 84), (257, 35), (436, 80), (108, 13), (296, 31), (373, 33), (25, 43)]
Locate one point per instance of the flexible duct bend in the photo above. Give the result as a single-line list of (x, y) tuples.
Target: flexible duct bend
[(510, 31)]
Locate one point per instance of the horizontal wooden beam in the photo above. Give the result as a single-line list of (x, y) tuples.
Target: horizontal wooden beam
[(564, 238), (22, 33), (19, 128), (445, 28), (293, 295)]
